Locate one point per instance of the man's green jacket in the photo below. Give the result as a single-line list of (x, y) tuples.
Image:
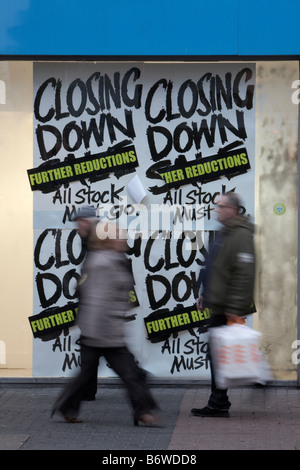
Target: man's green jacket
[(229, 286)]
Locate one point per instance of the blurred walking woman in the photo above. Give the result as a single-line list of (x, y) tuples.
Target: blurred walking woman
[(103, 302)]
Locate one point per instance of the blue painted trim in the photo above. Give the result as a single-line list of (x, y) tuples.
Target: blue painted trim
[(155, 28)]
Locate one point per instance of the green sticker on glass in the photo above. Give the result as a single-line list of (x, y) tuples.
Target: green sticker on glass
[(279, 208)]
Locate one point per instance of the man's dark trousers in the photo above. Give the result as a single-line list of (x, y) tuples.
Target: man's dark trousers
[(218, 398)]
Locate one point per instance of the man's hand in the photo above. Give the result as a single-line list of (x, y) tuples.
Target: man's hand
[(200, 303)]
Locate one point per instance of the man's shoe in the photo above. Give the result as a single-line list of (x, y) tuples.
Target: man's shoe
[(210, 412)]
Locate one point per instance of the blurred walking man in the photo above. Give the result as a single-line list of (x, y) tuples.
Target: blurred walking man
[(228, 284)]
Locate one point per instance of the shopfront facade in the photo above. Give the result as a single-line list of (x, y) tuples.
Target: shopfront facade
[(148, 121)]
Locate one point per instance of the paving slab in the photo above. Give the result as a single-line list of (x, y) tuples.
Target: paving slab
[(261, 418)]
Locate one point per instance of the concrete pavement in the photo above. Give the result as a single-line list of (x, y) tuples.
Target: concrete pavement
[(265, 418)]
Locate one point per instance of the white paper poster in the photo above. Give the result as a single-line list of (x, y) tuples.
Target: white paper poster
[(151, 146)]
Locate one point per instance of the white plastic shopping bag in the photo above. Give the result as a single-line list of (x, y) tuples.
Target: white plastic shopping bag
[(236, 355)]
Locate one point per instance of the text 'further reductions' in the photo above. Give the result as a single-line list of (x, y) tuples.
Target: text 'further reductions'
[(159, 324), (49, 175), (53, 319), (206, 169)]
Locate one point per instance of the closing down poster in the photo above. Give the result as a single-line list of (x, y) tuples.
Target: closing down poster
[(150, 146)]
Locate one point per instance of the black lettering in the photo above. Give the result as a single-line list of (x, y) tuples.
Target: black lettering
[(208, 133), (202, 96), (70, 361), (69, 214), (179, 249), (91, 95), (72, 128), (92, 129), (113, 122), (187, 85), (58, 261), (76, 84), (72, 274), (154, 302), (135, 101), (37, 102), (52, 132), (70, 242), (113, 91), (168, 263), (149, 99), (152, 173), (183, 128), (223, 92), (52, 299), (179, 278), (239, 131), (58, 113), (158, 154), (37, 250), (170, 116), (147, 252), (247, 102)]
